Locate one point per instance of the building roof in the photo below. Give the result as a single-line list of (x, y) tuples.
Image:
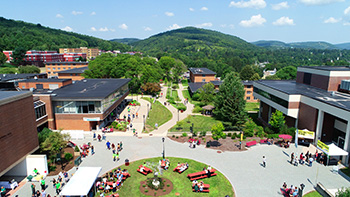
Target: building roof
[(195, 86), (328, 68), (340, 100), (74, 70), (89, 89), (43, 80), (66, 62), (9, 77), (9, 96), (203, 71), (217, 82), (247, 83)]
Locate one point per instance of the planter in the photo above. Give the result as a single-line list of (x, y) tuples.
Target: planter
[(76, 153)]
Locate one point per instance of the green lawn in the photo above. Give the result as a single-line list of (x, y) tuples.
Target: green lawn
[(158, 114), (184, 82), (252, 106), (179, 106), (219, 185), (186, 95), (175, 95), (201, 123), (313, 194)]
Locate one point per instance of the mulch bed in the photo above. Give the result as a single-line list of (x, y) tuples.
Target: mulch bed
[(66, 165), (159, 192), (227, 144)]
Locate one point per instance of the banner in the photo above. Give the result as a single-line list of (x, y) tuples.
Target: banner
[(241, 136), (306, 134), (296, 138), (323, 147)]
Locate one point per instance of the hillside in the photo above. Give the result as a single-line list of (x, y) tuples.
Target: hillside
[(270, 44), (343, 45), (125, 40), (303, 45), (15, 34)]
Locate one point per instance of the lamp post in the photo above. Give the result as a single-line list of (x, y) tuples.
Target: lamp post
[(147, 110), (144, 122), (61, 158), (163, 139)]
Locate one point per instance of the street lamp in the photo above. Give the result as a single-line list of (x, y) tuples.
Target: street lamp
[(163, 139), (147, 110), (144, 122)]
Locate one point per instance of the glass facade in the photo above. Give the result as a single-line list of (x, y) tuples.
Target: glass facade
[(107, 102), (39, 108), (271, 97)]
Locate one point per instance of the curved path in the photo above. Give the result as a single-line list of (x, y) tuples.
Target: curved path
[(243, 169)]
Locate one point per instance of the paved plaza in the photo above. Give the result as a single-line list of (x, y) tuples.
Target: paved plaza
[(243, 169)]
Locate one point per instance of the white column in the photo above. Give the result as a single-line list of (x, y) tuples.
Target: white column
[(319, 125), (347, 143)]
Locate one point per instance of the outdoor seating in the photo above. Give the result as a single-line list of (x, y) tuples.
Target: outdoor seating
[(201, 175), (252, 143), (205, 188), (113, 195), (263, 141), (145, 170), (125, 175), (177, 169)]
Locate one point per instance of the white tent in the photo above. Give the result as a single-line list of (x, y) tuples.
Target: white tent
[(336, 151), (81, 182)]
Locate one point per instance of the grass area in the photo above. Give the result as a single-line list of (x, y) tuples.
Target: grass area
[(252, 106), (219, 185), (313, 194), (158, 114), (175, 95), (179, 106), (346, 171), (200, 123), (184, 82)]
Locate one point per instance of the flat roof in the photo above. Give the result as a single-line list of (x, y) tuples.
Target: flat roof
[(9, 77), (89, 89), (66, 62), (10, 96), (247, 83), (75, 70), (217, 82), (328, 68), (340, 100), (195, 86), (45, 80), (203, 71)]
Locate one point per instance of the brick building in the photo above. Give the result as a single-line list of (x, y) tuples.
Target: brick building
[(18, 128), (52, 68), (90, 52), (72, 57), (45, 83), (311, 102), (75, 74)]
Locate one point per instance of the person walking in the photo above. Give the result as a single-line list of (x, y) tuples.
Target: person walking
[(264, 161), (108, 145), (42, 183), (114, 156), (43, 193), (33, 188), (92, 150), (58, 188), (292, 158)]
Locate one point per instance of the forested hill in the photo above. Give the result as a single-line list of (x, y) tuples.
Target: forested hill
[(30, 36), (125, 40), (305, 45)]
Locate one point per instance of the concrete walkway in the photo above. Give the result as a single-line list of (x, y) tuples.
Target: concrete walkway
[(243, 169)]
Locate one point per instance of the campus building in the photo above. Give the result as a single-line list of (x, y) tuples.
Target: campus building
[(10, 81), (52, 68), (75, 74), (314, 102), (90, 52), (18, 128), (43, 83)]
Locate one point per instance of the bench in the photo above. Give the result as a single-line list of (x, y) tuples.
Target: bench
[(205, 188), (201, 175), (263, 141), (177, 169), (251, 143), (125, 175), (145, 170)]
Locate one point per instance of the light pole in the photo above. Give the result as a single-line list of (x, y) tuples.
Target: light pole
[(147, 110), (144, 122), (163, 139)]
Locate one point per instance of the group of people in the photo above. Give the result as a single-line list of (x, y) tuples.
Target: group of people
[(294, 191), (198, 187), (207, 170), (308, 158), (57, 184), (107, 187), (182, 167), (164, 163), (115, 149)]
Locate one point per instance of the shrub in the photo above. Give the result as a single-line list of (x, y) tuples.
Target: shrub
[(223, 136), (203, 133), (68, 156), (229, 134), (197, 109), (173, 136), (244, 137), (146, 191), (143, 185), (195, 97), (177, 137), (168, 185), (184, 134), (52, 168), (164, 190), (233, 137), (76, 149)]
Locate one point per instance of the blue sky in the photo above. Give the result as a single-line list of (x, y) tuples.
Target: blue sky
[(251, 20)]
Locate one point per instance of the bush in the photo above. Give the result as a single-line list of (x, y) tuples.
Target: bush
[(146, 191), (197, 109), (272, 136), (181, 106), (203, 133), (229, 134), (223, 136), (52, 168), (233, 136), (343, 192), (195, 97), (173, 136), (68, 156), (177, 137), (76, 149), (184, 134)]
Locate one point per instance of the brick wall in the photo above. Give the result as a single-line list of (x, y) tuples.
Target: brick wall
[(74, 77), (307, 118)]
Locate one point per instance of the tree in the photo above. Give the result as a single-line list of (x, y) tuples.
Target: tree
[(206, 93), (54, 142), (178, 69), (8, 70), (166, 63), (287, 73), (18, 56), (251, 129), (343, 192), (229, 101), (272, 77), (3, 58), (247, 72), (255, 77), (151, 88), (277, 121), (28, 69), (216, 131)]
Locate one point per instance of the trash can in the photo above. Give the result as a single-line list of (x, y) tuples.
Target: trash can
[(126, 162), (208, 144)]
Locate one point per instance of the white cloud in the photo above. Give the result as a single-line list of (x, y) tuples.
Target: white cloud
[(256, 20), (231, 26), (346, 23), (347, 10), (283, 21), (103, 29), (59, 16), (147, 29), (257, 4), (67, 28), (123, 26), (282, 5), (174, 26), (191, 9), (112, 30), (319, 2), (331, 20), (205, 25), (93, 13), (93, 29), (76, 12), (169, 13), (204, 8)]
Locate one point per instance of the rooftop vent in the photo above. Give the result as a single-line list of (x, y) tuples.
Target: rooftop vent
[(84, 80), (36, 78)]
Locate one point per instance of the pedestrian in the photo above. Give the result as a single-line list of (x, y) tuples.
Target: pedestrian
[(291, 158), (137, 115), (94, 136), (117, 155), (156, 125), (264, 161), (38, 194), (104, 136), (310, 161), (42, 183), (99, 137), (2, 191), (108, 145), (133, 131), (133, 116), (114, 156), (130, 125), (54, 182), (65, 174), (58, 188), (33, 188), (124, 117), (43, 193), (92, 150)]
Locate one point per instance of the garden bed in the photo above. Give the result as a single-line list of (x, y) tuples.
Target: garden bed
[(168, 186), (66, 165)]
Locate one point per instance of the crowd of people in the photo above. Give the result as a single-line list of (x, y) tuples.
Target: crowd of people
[(197, 186), (292, 190), (115, 149), (306, 158)]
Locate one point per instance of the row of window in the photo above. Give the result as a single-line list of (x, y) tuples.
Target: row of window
[(39, 108), (271, 97)]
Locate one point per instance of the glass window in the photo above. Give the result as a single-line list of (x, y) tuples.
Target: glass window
[(248, 97), (249, 86), (203, 80), (271, 97), (249, 92)]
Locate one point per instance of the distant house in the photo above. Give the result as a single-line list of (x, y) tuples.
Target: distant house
[(75, 74), (52, 68)]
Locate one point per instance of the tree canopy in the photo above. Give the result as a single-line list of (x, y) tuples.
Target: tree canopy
[(28, 69), (287, 73), (207, 93)]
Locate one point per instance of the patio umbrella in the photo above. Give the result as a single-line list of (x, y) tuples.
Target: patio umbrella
[(285, 136)]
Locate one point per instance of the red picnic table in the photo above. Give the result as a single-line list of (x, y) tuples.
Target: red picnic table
[(201, 175), (177, 169), (145, 170)]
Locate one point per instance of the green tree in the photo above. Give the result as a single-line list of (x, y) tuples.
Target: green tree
[(206, 93), (151, 88), (8, 70), (166, 63), (343, 192), (272, 77), (28, 69), (247, 72), (54, 142), (287, 73), (178, 69), (251, 129), (42, 135), (277, 121), (255, 77), (3, 58), (229, 101), (216, 131), (18, 56)]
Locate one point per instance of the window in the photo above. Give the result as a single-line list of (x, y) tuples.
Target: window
[(249, 86), (255, 98), (203, 75), (271, 97), (203, 80), (58, 68), (53, 68), (39, 86), (23, 87), (307, 78), (249, 92), (39, 108), (248, 97)]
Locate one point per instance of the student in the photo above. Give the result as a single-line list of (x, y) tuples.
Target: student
[(264, 161), (42, 183)]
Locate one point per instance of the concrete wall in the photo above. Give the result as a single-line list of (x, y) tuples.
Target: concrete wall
[(27, 166), (307, 117)]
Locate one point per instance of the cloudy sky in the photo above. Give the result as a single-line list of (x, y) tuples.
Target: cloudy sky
[(251, 20)]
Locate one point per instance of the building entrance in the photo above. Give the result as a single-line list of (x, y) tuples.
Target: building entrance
[(341, 142)]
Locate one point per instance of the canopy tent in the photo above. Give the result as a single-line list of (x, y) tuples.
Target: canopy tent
[(306, 134), (82, 181), (336, 151)]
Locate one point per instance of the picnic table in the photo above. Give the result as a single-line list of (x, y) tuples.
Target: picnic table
[(177, 169), (201, 175), (205, 188), (145, 170), (125, 175)]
